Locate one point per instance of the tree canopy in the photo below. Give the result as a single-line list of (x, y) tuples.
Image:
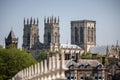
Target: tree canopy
[(12, 61), (89, 56), (43, 54)]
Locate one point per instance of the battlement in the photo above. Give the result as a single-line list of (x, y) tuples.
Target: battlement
[(31, 21), (51, 69), (51, 20)]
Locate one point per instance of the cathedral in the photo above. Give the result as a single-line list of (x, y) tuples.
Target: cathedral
[(83, 36)]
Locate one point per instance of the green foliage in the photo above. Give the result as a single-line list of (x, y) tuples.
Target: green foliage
[(44, 53), (112, 62), (106, 60), (11, 46), (42, 56), (86, 56), (12, 61), (89, 56)]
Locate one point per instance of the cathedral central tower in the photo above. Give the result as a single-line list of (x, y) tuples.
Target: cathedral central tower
[(83, 33), (51, 33)]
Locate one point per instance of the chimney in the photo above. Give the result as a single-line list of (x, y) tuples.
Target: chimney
[(95, 57)]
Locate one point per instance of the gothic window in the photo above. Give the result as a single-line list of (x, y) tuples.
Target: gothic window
[(76, 34), (28, 38), (55, 37), (34, 37), (49, 38), (92, 34), (81, 34), (88, 34)]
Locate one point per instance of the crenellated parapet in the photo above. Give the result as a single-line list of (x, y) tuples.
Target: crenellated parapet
[(31, 21), (52, 20), (51, 69)]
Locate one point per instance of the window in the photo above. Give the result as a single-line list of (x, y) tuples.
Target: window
[(28, 38), (74, 56), (88, 34), (55, 37), (71, 76), (76, 34), (81, 77), (49, 38), (71, 66), (92, 34), (81, 66), (81, 34), (67, 56)]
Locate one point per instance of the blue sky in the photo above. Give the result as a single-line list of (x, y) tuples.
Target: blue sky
[(106, 13)]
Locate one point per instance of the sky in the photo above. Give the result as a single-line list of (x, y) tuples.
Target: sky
[(106, 13)]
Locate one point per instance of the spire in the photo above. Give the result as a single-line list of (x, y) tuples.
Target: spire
[(27, 21), (11, 39), (52, 20), (34, 20), (11, 35), (58, 19), (31, 20), (55, 20), (107, 50), (45, 19), (37, 21), (24, 20), (117, 44)]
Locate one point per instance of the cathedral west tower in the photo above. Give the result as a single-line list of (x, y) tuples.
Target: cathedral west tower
[(83, 33), (30, 33), (51, 33)]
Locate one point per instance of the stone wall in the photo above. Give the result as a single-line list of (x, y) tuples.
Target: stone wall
[(51, 69)]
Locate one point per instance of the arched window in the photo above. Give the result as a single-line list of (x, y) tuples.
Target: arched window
[(35, 38), (55, 37), (88, 34), (76, 34), (49, 38), (92, 35), (81, 34), (28, 38)]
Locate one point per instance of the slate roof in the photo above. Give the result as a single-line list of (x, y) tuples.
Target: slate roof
[(11, 35), (92, 63), (99, 49)]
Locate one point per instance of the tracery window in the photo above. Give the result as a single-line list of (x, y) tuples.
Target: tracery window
[(76, 34), (81, 34), (49, 38)]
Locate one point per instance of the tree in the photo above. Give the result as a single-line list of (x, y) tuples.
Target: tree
[(42, 55), (12, 61), (11, 46), (87, 56)]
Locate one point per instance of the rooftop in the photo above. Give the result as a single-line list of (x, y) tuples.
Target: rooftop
[(69, 46)]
